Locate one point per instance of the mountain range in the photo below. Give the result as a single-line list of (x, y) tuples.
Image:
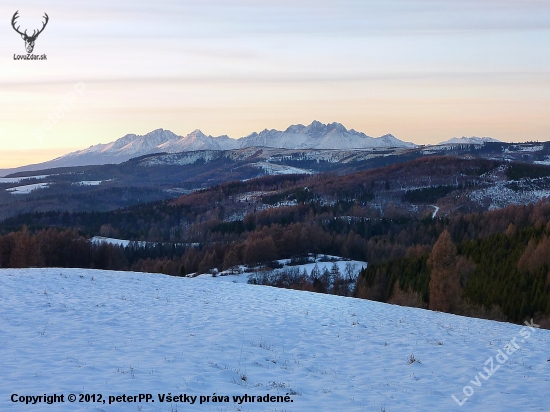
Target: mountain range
[(314, 136)]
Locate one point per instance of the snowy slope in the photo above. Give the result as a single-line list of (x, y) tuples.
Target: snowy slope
[(26, 189), (198, 141), (274, 169), (241, 274), (470, 140), (118, 242), (19, 179), (118, 151), (71, 331), (264, 155)]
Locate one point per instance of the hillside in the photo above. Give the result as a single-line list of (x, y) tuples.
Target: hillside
[(163, 176), (413, 189), (112, 333), (391, 217)]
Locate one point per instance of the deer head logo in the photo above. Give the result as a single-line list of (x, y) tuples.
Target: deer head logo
[(29, 40)]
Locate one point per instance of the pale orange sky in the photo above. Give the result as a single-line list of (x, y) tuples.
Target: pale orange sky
[(423, 71), (14, 158)]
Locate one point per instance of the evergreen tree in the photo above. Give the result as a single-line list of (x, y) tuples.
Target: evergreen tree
[(444, 284)]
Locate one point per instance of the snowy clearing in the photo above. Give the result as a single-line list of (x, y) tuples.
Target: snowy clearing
[(19, 179), (11, 179), (25, 190), (89, 183), (74, 331), (135, 243), (274, 169), (499, 195), (117, 242), (524, 148), (240, 274)]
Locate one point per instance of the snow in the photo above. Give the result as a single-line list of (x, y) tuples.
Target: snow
[(470, 140), (89, 183), (524, 148), (273, 169), (79, 331), (331, 156), (315, 136), (436, 209), (537, 148), (116, 242), (25, 190), (125, 243), (181, 159), (241, 273), (10, 179), (253, 199), (498, 195), (340, 262), (19, 179), (270, 156), (320, 136)]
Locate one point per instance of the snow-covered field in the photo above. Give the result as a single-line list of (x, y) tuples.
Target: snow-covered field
[(526, 148), (275, 169), (499, 195), (73, 331), (118, 242), (19, 179), (240, 274), (25, 190), (89, 183), (125, 243)]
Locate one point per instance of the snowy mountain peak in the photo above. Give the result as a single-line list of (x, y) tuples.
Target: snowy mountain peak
[(123, 141), (295, 128), (132, 144), (196, 133), (337, 126), (317, 129)]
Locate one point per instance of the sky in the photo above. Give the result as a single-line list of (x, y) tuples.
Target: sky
[(424, 71)]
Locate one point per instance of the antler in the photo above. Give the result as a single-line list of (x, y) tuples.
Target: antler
[(15, 16), (34, 35)]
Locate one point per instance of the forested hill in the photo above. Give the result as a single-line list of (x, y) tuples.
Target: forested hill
[(412, 190), (490, 258), (160, 176)]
